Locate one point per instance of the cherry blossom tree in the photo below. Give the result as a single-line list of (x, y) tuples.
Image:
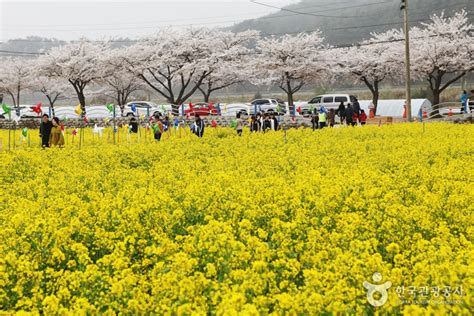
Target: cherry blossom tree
[(119, 83), (290, 62), (77, 63), (442, 51), (232, 51), (53, 89), (14, 77), (173, 63), (370, 62)]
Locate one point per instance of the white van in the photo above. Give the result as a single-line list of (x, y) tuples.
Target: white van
[(330, 101)]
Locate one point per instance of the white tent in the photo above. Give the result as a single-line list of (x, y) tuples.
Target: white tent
[(394, 108)]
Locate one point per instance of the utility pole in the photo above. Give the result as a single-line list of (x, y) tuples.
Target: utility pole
[(404, 7)]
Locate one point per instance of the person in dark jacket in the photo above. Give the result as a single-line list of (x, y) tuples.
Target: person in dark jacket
[(341, 112), (199, 126), (267, 125), (349, 114), (45, 130), (315, 120), (133, 125), (255, 125), (356, 106)]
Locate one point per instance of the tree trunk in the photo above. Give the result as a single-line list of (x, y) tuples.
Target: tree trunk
[(436, 96), (207, 96), (18, 95), (375, 95), (51, 104), (289, 93), (291, 105)]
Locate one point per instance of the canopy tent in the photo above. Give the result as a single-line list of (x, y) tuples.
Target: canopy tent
[(395, 108)]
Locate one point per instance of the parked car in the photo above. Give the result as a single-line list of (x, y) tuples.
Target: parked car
[(202, 109), (233, 109), (328, 100), (142, 107), (268, 106)]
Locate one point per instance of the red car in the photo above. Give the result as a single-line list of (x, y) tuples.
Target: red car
[(203, 109)]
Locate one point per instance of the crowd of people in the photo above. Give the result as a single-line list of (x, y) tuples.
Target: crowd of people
[(350, 115), (52, 136)]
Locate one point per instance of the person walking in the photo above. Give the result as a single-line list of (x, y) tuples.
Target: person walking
[(45, 130), (464, 102), (356, 106), (349, 114), (239, 125), (341, 112), (331, 117), (322, 118), (199, 126), (56, 138), (315, 120)]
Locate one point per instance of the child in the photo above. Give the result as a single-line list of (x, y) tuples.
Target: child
[(355, 118)]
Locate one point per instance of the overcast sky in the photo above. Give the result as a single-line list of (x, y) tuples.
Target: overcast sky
[(72, 19)]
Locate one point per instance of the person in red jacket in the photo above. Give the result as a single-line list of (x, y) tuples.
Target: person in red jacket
[(362, 117)]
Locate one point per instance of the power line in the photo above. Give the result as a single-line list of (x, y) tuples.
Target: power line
[(222, 22), (319, 15)]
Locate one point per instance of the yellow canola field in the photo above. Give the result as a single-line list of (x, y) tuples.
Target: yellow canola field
[(242, 225)]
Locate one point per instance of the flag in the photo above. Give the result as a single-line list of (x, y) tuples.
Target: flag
[(24, 132), (74, 132), (6, 109), (78, 109), (110, 107), (86, 120), (214, 123), (62, 127), (176, 123), (134, 108), (37, 108)]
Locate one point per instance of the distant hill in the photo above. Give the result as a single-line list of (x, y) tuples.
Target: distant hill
[(346, 22)]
